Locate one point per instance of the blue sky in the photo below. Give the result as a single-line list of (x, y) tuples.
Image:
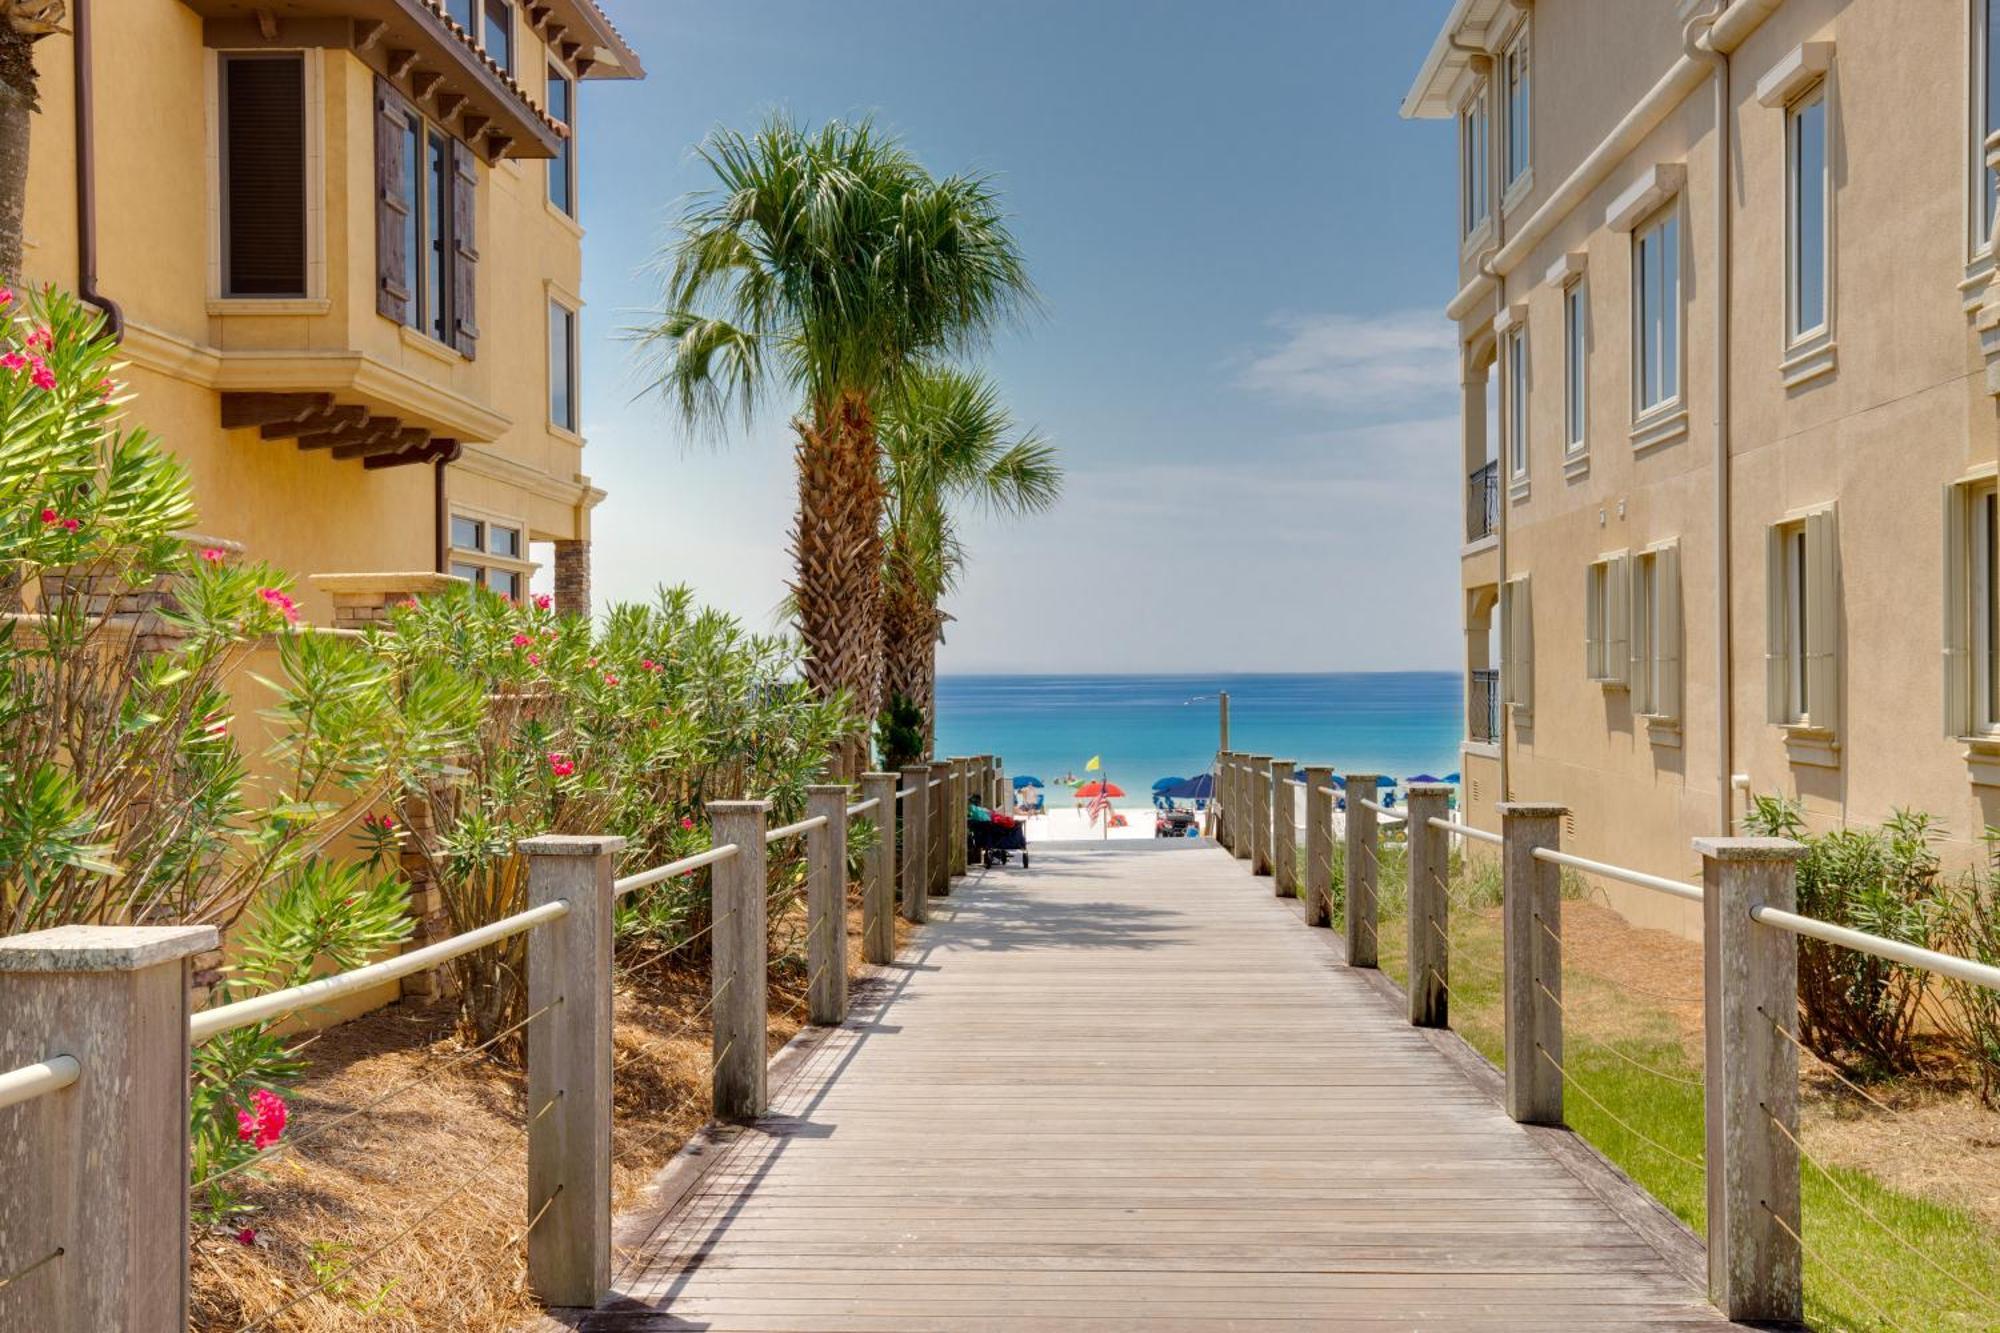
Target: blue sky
[(1243, 256)]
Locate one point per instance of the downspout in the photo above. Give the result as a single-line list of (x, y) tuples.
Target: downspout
[(1692, 41), (86, 176)]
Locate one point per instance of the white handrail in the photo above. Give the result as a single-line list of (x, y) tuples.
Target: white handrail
[(863, 807), (903, 793), (803, 826), (1950, 965), (1657, 883), (1464, 830), (39, 1079), (934, 782), (1395, 816), (645, 879), (228, 1017), (1328, 791)]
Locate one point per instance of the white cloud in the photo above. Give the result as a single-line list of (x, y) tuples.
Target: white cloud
[(1404, 362)]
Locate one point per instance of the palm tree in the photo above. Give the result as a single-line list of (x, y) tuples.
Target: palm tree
[(22, 24), (947, 442), (826, 264)]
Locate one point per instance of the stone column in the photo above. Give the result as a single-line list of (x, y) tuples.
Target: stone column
[(1362, 871), (1531, 947), (1284, 838), (1430, 905), (573, 577), (1319, 846)]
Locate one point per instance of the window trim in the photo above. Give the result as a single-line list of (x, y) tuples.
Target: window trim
[(1979, 182), (315, 301), (1983, 587), (486, 8), (1514, 358), (1475, 171), (565, 158), (1803, 346), (481, 557), (1670, 403), (1576, 366), (1517, 182), (562, 300)]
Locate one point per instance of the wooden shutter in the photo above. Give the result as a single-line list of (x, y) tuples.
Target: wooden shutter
[(1506, 644), (392, 203), (1521, 625), (1777, 672), (1667, 646), (464, 248), (264, 175), (1822, 620), (1593, 621), (1958, 556), (1618, 614)]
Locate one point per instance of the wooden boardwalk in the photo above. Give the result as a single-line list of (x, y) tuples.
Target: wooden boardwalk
[(1128, 1089)]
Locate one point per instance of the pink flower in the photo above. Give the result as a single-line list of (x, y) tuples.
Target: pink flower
[(591, 663), (687, 821), (6, 296), (407, 604), (650, 665), (214, 554), (543, 601), (72, 524), (49, 516), (284, 604), (264, 1123), (534, 659), (105, 388), (247, 1236), (522, 641), (43, 378), (42, 338), (561, 765), (13, 361), (610, 679), (215, 724)]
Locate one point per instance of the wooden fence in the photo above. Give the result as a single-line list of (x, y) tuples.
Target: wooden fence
[(1747, 893), (94, 1120)]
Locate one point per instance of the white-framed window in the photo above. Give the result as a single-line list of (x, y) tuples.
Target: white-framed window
[(1802, 630), (563, 407), (492, 553), (1607, 618), (1808, 211), (1520, 109), (1472, 151), (1517, 400), (1972, 609), (1517, 644), (1983, 119), (562, 167), (1656, 311), (1655, 675), (1576, 366)]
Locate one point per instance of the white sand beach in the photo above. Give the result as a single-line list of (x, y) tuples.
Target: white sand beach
[(1066, 823)]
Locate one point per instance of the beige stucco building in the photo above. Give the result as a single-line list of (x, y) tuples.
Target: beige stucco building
[(1730, 425), (339, 240)]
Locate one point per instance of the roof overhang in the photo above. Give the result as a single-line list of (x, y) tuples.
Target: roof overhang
[(582, 35), (1470, 23)]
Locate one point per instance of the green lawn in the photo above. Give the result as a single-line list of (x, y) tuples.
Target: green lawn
[(1626, 1052)]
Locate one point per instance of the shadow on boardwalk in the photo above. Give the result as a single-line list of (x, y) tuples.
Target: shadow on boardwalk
[(1129, 1090)]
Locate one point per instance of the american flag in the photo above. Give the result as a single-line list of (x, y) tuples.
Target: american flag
[(1100, 805)]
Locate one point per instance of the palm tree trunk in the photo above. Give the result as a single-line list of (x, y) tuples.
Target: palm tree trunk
[(17, 103), (837, 555), (909, 642)]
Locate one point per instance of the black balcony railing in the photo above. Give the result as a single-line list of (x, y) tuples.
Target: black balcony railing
[(1482, 706), (1482, 502)]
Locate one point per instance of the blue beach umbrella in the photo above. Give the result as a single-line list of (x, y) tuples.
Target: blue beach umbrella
[(1023, 780), (1423, 777), (1193, 789), (1165, 783), (1453, 778)]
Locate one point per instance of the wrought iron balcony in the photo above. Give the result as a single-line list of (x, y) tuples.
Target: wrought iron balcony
[(1482, 705), (1482, 502)]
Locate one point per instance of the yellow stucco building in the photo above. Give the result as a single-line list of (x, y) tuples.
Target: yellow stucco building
[(338, 239), (1730, 426)]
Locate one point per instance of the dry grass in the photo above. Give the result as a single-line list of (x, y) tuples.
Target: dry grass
[(446, 1162)]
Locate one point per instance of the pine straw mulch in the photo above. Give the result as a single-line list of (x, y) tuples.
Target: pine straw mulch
[(1935, 1141), (436, 1178)]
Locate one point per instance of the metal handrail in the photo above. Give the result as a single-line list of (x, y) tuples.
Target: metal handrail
[(803, 826), (1465, 830), (1657, 883), (228, 1017), (1950, 965), (647, 878), (38, 1079), (1396, 815), (1328, 791), (863, 807)]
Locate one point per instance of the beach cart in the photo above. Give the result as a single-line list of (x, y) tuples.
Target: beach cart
[(992, 841)]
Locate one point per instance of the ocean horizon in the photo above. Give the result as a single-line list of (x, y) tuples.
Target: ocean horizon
[(1147, 727)]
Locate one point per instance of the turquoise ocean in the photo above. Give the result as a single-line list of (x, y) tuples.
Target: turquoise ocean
[(1401, 723)]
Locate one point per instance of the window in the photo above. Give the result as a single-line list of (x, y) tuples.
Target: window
[(1576, 365), (1655, 675), (498, 36), (1806, 199), (1606, 616), (1517, 400), (562, 366), (1801, 683), (1972, 609), (1520, 144), (263, 151), (489, 553), (426, 250), (1472, 160), (1656, 309), (433, 193), (1985, 118), (1517, 645), (461, 12), (562, 167)]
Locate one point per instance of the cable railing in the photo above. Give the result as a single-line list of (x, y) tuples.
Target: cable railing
[(1747, 890), (129, 1081)]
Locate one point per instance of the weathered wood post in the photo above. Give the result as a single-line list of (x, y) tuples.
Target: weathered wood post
[(1531, 949), (1003, 794), (1216, 811), (1260, 814), (826, 905), (878, 893), (569, 1067), (1241, 818), (916, 843), (940, 825), (955, 806), (1218, 804), (1284, 839), (1362, 870), (1319, 846), (1750, 983), (739, 966), (1430, 905), (99, 1169)]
